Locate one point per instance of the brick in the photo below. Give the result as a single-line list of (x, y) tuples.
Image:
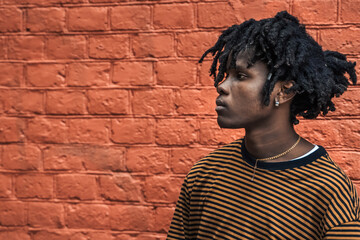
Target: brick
[(101, 235), (103, 1), (98, 158), (196, 102), (348, 161), (42, 214), (182, 159), (315, 11), (45, 75), (313, 33), (149, 236), (11, 74), (34, 186), (212, 134), (20, 234), (43, 130), (42, 2), (133, 73), (66, 47), (182, 16), (348, 43), (136, 130), (162, 189), (250, 9), (119, 187), (194, 44), (104, 158), (125, 236), (12, 213), (110, 101), (26, 47), (88, 131), (176, 131), (162, 219), (153, 102), (87, 18), (148, 160), (21, 157), (212, 15), (53, 235), (159, 45), (94, 216), (11, 130), (10, 19), (357, 67), (88, 74), (109, 46), (317, 132), (78, 235), (130, 17), (5, 186), (349, 132), (174, 73), (349, 10), (66, 102), (347, 104), (331, 133), (30, 102), (63, 158), (21, 102), (357, 185), (127, 217), (2, 48), (91, 157), (205, 78), (48, 19), (81, 187)]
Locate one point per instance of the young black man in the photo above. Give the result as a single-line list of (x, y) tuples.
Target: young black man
[(271, 184)]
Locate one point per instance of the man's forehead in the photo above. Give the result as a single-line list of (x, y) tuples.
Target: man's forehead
[(242, 60)]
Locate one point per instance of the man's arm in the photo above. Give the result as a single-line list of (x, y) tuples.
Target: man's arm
[(346, 231), (180, 219)]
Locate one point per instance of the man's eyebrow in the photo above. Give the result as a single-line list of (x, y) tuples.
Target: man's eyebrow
[(241, 68)]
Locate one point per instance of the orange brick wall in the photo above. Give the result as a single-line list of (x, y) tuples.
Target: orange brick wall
[(104, 108)]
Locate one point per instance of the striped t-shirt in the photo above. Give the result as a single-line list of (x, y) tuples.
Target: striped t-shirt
[(307, 198)]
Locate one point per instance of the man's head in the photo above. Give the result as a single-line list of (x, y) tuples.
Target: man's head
[(290, 56)]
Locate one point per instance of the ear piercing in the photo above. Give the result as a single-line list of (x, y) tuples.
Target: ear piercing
[(277, 103)]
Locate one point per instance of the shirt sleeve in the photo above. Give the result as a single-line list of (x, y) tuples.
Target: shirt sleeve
[(180, 219), (346, 231)]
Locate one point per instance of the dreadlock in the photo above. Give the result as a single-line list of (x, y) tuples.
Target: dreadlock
[(290, 54)]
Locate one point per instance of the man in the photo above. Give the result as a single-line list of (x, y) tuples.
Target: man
[(272, 184)]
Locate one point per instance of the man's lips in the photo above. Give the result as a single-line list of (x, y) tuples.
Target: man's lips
[(220, 105), (219, 102)]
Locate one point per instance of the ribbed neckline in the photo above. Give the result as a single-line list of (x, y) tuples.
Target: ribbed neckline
[(282, 165)]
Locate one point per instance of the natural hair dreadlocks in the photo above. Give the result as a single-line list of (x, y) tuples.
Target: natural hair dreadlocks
[(290, 54)]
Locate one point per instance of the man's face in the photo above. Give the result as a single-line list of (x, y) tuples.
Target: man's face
[(239, 104)]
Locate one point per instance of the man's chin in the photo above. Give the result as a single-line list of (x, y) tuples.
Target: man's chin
[(223, 123)]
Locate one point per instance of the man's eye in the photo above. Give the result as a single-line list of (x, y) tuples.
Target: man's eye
[(241, 76)]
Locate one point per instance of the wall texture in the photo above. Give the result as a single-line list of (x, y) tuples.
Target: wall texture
[(104, 108)]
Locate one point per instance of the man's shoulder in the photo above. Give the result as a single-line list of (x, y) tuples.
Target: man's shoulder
[(223, 153)]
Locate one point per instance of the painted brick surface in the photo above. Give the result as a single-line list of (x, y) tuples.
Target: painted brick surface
[(104, 108)]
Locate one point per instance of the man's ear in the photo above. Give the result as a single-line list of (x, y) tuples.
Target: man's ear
[(285, 93)]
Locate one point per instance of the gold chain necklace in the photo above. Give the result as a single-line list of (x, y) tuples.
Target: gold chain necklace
[(274, 157)]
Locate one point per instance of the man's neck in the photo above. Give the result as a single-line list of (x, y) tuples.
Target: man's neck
[(271, 141)]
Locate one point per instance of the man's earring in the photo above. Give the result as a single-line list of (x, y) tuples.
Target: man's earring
[(277, 103)]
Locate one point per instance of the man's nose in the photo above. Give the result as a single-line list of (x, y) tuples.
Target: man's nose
[(222, 87)]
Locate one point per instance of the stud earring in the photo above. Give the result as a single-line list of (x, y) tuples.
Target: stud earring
[(277, 103)]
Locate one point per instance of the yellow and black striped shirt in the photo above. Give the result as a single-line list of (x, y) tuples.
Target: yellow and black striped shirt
[(307, 198)]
